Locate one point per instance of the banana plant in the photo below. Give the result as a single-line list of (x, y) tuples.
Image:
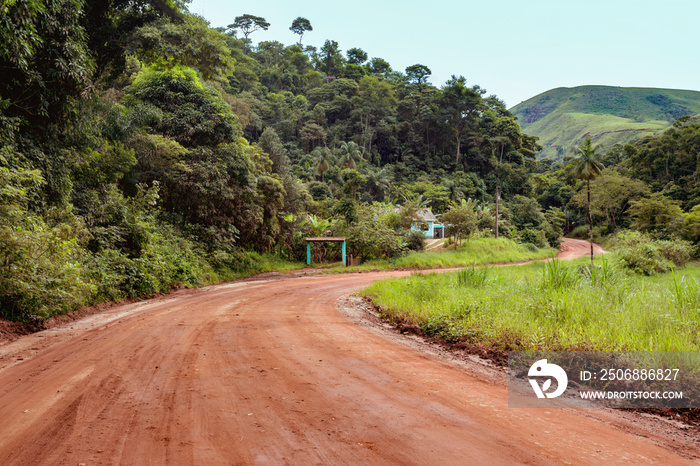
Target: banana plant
[(318, 226)]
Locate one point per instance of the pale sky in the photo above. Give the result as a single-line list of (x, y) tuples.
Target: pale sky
[(514, 49)]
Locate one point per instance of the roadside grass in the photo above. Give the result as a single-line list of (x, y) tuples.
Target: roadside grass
[(256, 263), (550, 306), (474, 251)]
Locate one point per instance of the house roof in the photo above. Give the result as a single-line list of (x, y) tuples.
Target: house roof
[(424, 215), (326, 239), (427, 215)]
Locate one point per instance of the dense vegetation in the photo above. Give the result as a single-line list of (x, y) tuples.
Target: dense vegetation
[(142, 150), (563, 117)]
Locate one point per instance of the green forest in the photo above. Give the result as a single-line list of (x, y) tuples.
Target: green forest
[(142, 150)]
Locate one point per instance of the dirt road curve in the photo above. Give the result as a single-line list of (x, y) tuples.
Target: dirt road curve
[(269, 372), (572, 248)]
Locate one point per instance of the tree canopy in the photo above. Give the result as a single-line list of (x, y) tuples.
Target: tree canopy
[(300, 26)]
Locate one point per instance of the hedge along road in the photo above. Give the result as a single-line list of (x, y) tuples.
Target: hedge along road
[(269, 372)]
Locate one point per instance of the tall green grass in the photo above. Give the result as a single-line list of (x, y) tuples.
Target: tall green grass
[(552, 306), (472, 252), (473, 276)]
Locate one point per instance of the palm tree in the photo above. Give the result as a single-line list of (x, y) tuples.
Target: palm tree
[(351, 155), (379, 183), (324, 159), (587, 167)]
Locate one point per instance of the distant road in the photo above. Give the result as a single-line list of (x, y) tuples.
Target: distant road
[(570, 249)]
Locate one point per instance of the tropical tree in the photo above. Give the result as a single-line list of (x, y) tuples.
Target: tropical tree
[(351, 155), (373, 106), (461, 220), (324, 160), (611, 195), (356, 56), (460, 107), (418, 74), (657, 215), (318, 226), (248, 24), (379, 183), (330, 59), (300, 26), (189, 42), (379, 66), (588, 166)]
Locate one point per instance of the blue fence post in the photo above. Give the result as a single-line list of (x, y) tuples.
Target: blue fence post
[(344, 261), (308, 253)]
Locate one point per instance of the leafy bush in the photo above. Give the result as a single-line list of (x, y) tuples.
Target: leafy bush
[(678, 251), (370, 237), (644, 255), (40, 267), (448, 330), (415, 241), (536, 237), (319, 191), (580, 232), (42, 274)]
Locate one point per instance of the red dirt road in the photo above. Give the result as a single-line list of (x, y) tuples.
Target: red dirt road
[(269, 372), (573, 248)]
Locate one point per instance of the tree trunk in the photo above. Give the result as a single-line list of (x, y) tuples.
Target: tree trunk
[(590, 220), (496, 222), (459, 144)]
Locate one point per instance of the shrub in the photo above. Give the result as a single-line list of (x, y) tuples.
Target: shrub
[(415, 241), (536, 237), (678, 251), (644, 255), (319, 191), (370, 237), (580, 232)]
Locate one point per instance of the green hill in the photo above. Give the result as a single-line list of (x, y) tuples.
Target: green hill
[(564, 116)]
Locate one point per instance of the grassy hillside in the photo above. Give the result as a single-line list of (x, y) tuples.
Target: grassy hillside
[(563, 117)]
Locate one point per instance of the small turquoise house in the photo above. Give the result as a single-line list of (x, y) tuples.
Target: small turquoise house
[(428, 224)]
